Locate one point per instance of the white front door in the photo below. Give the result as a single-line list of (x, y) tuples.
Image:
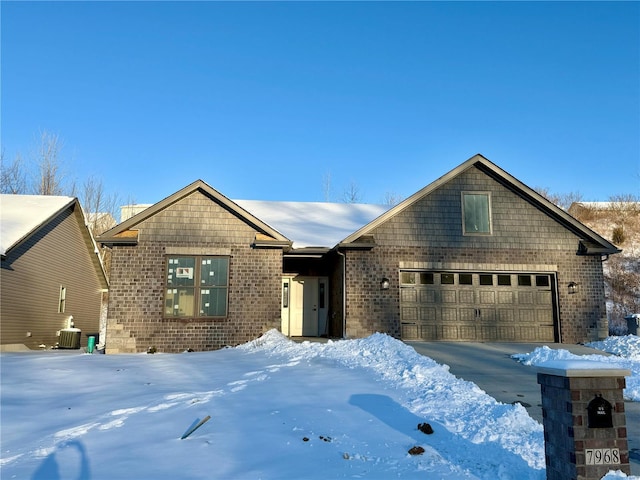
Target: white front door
[(304, 306)]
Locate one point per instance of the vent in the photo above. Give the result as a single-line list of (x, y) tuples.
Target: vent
[(69, 338)]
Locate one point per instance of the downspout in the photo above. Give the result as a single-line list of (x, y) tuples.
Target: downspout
[(344, 293), (557, 305)]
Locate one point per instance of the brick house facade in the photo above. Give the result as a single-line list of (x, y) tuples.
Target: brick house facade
[(527, 236), (475, 255), (194, 222)]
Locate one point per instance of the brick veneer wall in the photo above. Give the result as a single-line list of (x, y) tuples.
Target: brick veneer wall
[(370, 309), (138, 280), (524, 238)]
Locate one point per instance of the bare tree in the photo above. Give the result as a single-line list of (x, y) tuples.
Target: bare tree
[(49, 174), (352, 193), (562, 200), (544, 191), (13, 176), (567, 199), (326, 186), (625, 210), (624, 207), (392, 199), (98, 206)]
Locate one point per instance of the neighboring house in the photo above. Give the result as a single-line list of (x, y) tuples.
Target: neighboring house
[(621, 207), (51, 271), (128, 211), (100, 222), (474, 256)]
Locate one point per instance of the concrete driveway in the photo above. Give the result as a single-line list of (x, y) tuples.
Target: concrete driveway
[(490, 366)]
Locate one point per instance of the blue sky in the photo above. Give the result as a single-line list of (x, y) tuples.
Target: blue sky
[(265, 100)]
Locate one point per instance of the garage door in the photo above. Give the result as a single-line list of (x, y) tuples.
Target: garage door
[(461, 306)]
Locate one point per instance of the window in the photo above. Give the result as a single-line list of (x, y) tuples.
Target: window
[(476, 213), (407, 278), (197, 287), (542, 281), (285, 295), (486, 279), (62, 299), (321, 295), (465, 279), (504, 280), (447, 279), (524, 280), (426, 278)]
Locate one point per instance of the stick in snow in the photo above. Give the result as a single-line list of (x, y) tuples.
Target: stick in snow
[(195, 427)]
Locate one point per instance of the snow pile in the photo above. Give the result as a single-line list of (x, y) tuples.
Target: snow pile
[(429, 391), (625, 354), (626, 347)]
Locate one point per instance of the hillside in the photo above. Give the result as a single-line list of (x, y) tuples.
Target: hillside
[(618, 222)]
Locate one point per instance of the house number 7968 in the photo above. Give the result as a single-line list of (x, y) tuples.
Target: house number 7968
[(602, 456)]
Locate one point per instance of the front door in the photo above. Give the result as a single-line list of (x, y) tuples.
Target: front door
[(304, 306)]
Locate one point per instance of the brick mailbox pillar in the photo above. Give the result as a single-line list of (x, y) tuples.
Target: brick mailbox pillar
[(585, 430)]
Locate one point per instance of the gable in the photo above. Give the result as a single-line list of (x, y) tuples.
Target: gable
[(22, 215), (196, 219), (56, 224), (521, 217), (197, 213), (436, 220)]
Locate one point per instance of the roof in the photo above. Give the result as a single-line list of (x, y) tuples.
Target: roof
[(591, 243), (21, 215), (323, 225), (314, 224), (297, 224), (606, 205)]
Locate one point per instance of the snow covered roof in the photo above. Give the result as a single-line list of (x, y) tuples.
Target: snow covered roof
[(604, 205), (313, 224), (20, 215), (300, 224), (328, 225)]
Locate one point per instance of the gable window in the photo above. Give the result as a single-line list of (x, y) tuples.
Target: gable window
[(476, 213), (197, 286)]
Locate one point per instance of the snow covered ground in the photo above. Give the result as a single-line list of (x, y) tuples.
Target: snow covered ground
[(279, 410), (626, 354)]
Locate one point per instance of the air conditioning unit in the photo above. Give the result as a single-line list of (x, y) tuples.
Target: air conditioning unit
[(69, 338)]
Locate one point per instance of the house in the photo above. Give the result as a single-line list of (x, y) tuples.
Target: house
[(619, 208), (474, 256), (51, 279)]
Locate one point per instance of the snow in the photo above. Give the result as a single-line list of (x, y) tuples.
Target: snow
[(313, 224), (625, 355), (21, 214), (279, 409)]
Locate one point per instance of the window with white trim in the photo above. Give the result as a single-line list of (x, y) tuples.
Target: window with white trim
[(197, 286)]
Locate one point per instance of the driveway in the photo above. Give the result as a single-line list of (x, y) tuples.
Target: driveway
[(490, 366)]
